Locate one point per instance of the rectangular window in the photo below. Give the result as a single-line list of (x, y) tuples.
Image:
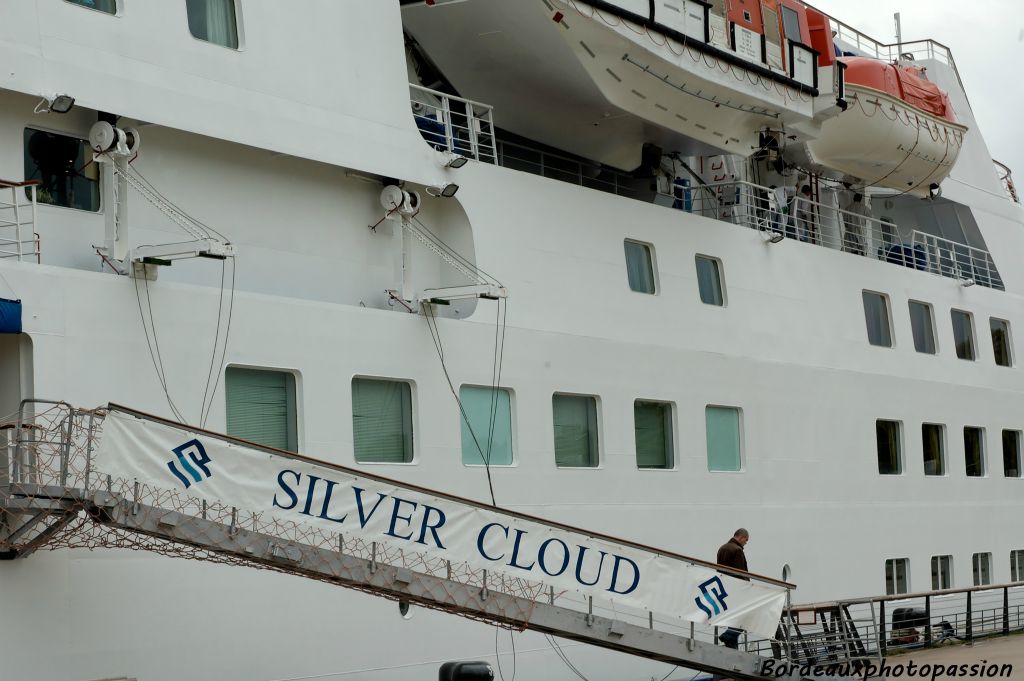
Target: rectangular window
[(723, 433), (487, 426), (1001, 341), (896, 576), (791, 24), (876, 315), (1017, 565), (963, 334), (381, 421), (639, 267), (942, 572), (923, 325), (261, 407), (214, 21), (709, 281), (982, 569), (1011, 453), (575, 419), (62, 165), (974, 451), (887, 435), (108, 6), (653, 424), (933, 444)]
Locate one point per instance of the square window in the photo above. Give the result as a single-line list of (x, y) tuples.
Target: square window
[(1017, 565), (887, 435), (261, 407), (639, 267), (723, 434), (896, 576), (974, 451), (381, 421), (575, 421), (486, 426), (876, 315), (214, 21), (653, 424), (709, 281), (61, 164), (1001, 341), (982, 569), (934, 446), (1011, 454), (963, 334), (922, 323), (107, 6), (942, 572)]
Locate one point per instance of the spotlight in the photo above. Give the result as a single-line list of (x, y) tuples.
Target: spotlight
[(454, 160), (967, 281), (62, 104), (446, 190), (772, 237)]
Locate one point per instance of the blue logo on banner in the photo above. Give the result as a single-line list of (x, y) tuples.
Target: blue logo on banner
[(190, 456), (712, 597)]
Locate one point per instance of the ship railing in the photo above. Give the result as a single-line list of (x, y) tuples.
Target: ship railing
[(453, 124), (1006, 178), (958, 261), (567, 169), (18, 237)]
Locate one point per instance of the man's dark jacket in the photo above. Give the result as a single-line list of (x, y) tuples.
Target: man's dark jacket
[(731, 555)]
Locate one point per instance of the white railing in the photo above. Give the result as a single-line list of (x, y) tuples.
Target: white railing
[(453, 124), (18, 238), (958, 261), (572, 170), (1006, 178)]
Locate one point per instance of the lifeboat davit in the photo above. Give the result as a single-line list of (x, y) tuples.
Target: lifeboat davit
[(899, 130)]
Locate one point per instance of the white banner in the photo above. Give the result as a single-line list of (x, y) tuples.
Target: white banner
[(344, 501)]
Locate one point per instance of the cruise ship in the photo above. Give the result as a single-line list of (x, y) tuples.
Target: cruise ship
[(656, 269)]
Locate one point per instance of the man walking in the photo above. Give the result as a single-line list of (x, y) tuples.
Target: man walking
[(730, 554)]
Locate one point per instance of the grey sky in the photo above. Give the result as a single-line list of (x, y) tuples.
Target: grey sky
[(987, 41)]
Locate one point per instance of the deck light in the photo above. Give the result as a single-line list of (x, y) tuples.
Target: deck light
[(454, 160), (62, 104), (446, 190)]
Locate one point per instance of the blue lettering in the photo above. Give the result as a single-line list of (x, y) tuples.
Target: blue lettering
[(579, 567), (433, 528), (365, 518), (515, 553), (327, 500), (287, 490), (395, 517), (480, 540), (615, 575), (309, 494), (543, 553)]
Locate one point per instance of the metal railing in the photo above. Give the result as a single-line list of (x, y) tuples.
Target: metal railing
[(1006, 178), (572, 170), (453, 124), (18, 238), (958, 261)]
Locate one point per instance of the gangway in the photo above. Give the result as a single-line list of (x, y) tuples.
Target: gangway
[(118, 478)]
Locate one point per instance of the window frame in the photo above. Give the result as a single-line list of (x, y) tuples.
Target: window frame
[(901, 465), (652, 260), (84, 140), (972, 334), (1008, 340), (977, 560), (598, 454), (118, 7), (894, 578), (741, 440), (887, 306), (239, 33), (931, 326), (938, 561), (299, 431), (1018, 437), (943, 447), (513, 439), (719, 276), (982, 462), (670, 435), (413, 454), (1017, 565)]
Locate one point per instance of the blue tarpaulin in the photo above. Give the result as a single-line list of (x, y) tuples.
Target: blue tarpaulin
[(10, 316)]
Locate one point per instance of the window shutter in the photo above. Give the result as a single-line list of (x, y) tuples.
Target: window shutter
[(261, 407)]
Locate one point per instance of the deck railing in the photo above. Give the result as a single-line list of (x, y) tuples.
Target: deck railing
[(453, 124), (18, 237), (1006, 178)]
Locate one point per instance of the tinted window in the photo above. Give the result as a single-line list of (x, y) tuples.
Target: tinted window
[(381, 421), (653, 425), (1011, 453), (887, 435), (723, 433), (709, 281), (974, 451), (876, 316), (575, 421), (63, 166), (791, 23), (108, 6), (1001, 341), (213, 21), (932, 435), (639, 267), (261, 407), (963, 334), (486, 426), (923, 326)]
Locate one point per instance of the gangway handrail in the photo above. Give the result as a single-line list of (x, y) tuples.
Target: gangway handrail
[(888, 598)]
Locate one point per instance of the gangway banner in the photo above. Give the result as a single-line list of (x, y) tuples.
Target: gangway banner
[(218, 469)]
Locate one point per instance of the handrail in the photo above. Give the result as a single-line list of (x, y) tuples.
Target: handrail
[(453, 124), (901, 597), (1006, 178), (12, 183)]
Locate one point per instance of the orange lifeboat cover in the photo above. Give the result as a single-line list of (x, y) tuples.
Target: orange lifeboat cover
[(905, 82)]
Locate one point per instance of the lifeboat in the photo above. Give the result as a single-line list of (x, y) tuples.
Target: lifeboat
[(899, 130)]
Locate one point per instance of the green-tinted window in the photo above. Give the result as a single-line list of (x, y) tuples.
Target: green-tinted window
[(723, 426), (896, 576), (575, 420), (923, 327), (62, 166), (108, 6), (887, 434), (653, 424), (487, 437), (1011, 453), (261, 407), (709, 281), (932, 436), (639, 267), (213, 21), (381, 421), (974, 451), (1001, 341), (963, 334), (876, 316)]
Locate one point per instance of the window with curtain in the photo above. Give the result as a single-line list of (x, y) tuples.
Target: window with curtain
[(934, 449), (1001, 341), (108, 6), (639, 267), (381, 421), (974, 451), (709, 280), (1011, 453), (62, 165), (487, 426), (575, 421), (982, 569), (942, 572), (723, 438), (896, 576), (652, 422), (213, 21), (1017, 565), (261, 407), (887, 435), (963, 334), (876, 315), (923, 326)]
